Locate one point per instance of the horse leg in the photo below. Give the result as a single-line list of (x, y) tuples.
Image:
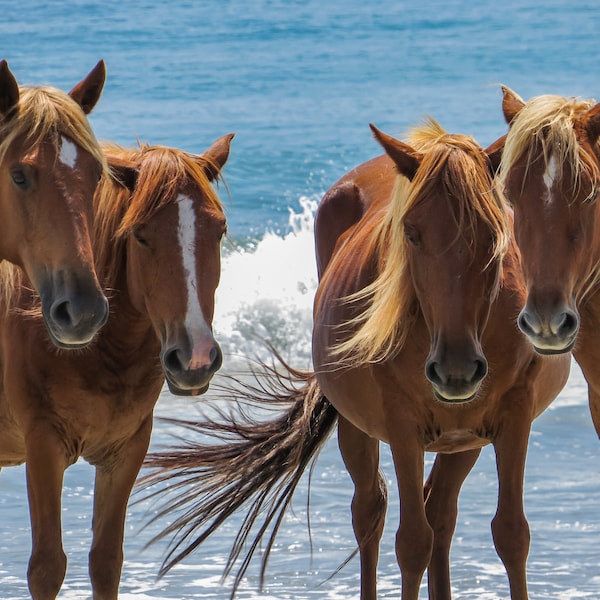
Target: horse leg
[(414, 539), (361, 457), (111, 493), (443, 485), (509, 527), (46, 464)]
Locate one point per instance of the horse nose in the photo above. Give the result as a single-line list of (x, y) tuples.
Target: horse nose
[(74, 320), (177, 360), (554, 332), (456, 382)]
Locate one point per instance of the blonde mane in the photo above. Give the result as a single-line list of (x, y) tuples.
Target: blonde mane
[(455, 166), (160, 174), (546, 125), (47, 113)]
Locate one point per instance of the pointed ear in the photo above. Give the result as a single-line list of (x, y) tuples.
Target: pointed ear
[(123, 172), (214, 159), (591, 122), (406, 159), (494, 154), (87, 92), (9, 90), (511, 104)]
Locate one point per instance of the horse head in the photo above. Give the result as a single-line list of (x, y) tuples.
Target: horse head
[(551, 175), (50, 165), (173, 230), (453, 230)]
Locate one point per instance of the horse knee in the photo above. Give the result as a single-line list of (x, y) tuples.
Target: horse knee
[(511, 538), (414, 547), (368, 512), (46, 573)]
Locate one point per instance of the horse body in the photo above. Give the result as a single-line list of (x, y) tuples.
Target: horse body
[(50, 164), (392, 400), (551, 175), (414, 344), (97, 403)]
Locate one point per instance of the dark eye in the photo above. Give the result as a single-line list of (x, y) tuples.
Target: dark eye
[(19, 178), (139, 237), (411, 234)]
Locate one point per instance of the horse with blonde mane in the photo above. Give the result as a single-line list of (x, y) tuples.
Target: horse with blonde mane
[(157, 231), (415, 345), (551, 174), (50, 164)]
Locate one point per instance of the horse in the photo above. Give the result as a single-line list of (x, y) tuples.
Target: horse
[(551, 174), (50, 165), (415, 344), (158, 226)]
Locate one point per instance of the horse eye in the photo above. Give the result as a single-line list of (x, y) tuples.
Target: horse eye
[(19, 178), (411, 234), (139, 238)]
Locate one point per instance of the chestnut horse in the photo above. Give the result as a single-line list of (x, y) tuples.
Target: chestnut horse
[(156, 241), (50, 164), (414, 344), (551, 174)]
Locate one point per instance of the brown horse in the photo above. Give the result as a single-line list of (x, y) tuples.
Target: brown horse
[(415, 344), (157, 247), (50, 164), (551, 174)]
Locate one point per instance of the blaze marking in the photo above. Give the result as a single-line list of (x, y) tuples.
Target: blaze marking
[(194, 319), (549, 177), (68, 153)]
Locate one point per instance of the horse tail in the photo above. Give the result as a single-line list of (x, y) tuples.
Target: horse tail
[(240, 462)]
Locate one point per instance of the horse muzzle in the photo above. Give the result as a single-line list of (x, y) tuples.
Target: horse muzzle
[(551, 333), (456, 384), (187, 373)]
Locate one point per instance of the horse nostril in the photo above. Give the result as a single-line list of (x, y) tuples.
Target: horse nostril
[(216, 358), (172, 361), (481, 369), (569, 324), (61, 314), (431, 372)]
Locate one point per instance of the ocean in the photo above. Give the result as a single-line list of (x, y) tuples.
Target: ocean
[(299, 82)]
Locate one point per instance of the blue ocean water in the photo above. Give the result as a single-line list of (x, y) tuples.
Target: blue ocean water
[(298, 82)]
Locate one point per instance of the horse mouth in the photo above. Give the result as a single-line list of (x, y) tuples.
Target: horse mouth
[(453, 399), (553, 351), (179, 391)]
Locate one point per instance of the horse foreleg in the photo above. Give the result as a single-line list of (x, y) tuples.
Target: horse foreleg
[(442, 488), (414, 540), (361, 457), (509, 527), (46, 464), (111, 493)]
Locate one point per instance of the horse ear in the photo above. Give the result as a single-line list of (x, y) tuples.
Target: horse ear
[(9, 90), (512, 104), (494, 154), (123, 172), (406, 159), (591, 122), (88, 91), (214, 159)]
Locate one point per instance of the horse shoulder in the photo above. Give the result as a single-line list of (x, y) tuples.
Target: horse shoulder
[(347, 201)]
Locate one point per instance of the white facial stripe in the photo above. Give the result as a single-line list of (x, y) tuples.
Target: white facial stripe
[(68, 153), (187, 241), (549, 177)]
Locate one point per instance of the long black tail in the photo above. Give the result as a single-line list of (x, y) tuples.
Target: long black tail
[(241, 462)]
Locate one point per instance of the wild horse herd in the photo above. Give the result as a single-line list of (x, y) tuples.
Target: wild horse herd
[(455, 283)]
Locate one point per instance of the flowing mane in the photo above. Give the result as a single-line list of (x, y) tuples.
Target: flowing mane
[(46, 113), (161, 171), (545, 125), (453, 166)]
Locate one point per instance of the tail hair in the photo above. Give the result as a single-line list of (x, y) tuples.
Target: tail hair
[(240, 462)]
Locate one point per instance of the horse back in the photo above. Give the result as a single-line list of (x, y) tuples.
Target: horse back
[(353, 196)]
